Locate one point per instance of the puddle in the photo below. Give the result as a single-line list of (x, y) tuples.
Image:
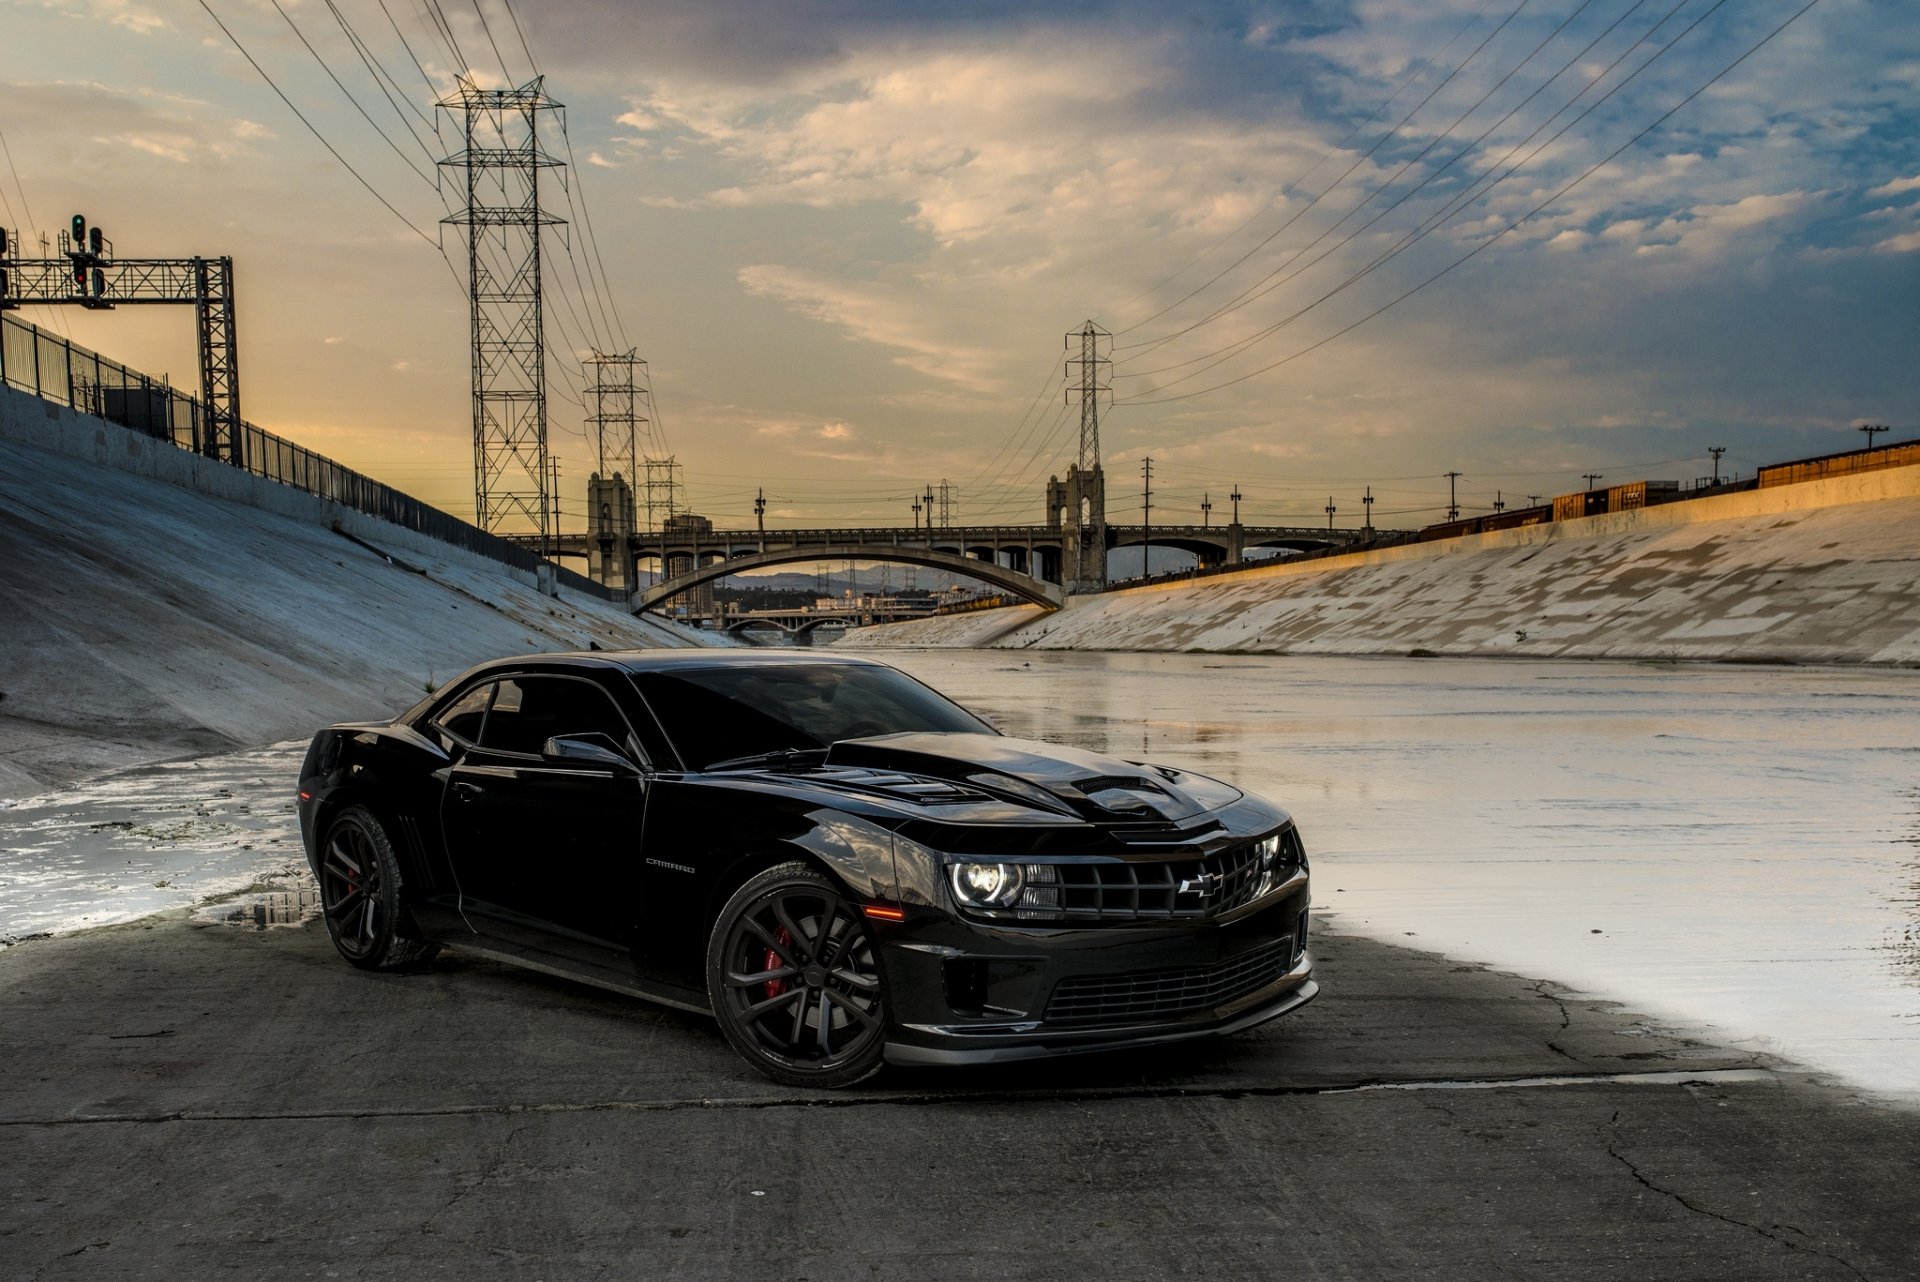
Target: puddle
[(258, 912)]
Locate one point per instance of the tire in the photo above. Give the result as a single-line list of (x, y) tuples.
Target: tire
[(794, 979), (360, 896)]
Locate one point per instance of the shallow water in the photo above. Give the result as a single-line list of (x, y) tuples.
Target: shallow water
[(1734, 847), (143, 840)]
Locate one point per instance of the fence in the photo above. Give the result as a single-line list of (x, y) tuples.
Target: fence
[(32, 360)]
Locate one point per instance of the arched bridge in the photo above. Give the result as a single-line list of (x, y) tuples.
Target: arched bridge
[(1011, 581), (1026, 561)]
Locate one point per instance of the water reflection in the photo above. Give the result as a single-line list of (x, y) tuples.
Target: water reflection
[(260, 911), (1731, 846)]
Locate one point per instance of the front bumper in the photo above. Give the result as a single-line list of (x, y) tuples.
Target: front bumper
[(968, 992)]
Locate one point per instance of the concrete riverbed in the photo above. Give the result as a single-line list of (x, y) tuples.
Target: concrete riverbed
[(185, 1098)]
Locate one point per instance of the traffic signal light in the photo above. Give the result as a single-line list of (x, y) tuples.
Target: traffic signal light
[(99, 283), (96, 241), (3, 242), (79, 231), (3, 271)]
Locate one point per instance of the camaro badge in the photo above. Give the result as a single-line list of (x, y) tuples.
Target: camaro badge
[(1201, 885)]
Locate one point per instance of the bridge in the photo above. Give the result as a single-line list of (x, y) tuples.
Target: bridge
[(799, 623), (1024, 561)]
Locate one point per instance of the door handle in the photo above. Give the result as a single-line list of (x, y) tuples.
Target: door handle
[(463, 789)]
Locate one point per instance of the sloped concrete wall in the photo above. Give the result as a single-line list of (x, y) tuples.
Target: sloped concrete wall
[(142, 617), (1823, 572)]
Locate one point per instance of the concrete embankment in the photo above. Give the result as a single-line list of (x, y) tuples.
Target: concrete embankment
[(159, 604), (1820, 572)]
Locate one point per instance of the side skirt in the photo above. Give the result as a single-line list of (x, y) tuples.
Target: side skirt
[(595, 981)]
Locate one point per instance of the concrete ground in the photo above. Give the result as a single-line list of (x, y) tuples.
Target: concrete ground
[(181, 1099)]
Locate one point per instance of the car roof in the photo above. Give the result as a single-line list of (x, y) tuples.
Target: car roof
[(665, 660)]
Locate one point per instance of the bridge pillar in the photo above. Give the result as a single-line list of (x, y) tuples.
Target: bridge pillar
[(1236, 543), (1077, 507), (699, 601), (610, 559)]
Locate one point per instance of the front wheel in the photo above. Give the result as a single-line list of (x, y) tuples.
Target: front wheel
[(360, 896), (795, 982)]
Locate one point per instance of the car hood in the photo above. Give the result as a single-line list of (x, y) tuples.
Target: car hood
[(1087, 785)]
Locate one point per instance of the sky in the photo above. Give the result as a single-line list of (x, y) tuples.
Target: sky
[(1337, 245)]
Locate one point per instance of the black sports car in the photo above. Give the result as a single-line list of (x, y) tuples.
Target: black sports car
[(844, 867)]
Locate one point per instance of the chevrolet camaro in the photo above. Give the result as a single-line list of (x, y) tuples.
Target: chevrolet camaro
[(840, 865)]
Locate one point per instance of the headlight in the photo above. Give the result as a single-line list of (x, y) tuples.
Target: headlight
[(1268, 850), (986, 885)]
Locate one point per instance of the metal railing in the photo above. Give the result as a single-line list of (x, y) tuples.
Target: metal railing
[(55, 369)]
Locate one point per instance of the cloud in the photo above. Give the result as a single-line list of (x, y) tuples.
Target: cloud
[(136, 18), (170, 127), (1905, 243), (1896, 187)]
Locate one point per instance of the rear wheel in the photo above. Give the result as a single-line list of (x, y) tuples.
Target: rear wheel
[(360, 896), (795, 981)]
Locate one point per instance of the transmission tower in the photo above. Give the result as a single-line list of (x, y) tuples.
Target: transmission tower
[(661, 491), (614, 419), (500, 161), (948, 498), (1083, 499)]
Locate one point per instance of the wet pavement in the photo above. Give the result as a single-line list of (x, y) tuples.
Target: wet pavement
[(1734, 848), (180, 1098)]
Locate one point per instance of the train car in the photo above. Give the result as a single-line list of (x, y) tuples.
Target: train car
[(1843, 464)]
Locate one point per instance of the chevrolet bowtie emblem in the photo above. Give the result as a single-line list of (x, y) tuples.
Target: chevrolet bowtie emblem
[(1200, 885)]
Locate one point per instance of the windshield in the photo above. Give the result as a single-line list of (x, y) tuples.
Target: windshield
[(718, 714)]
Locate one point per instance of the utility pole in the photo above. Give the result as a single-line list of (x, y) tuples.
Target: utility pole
[(1331, 509), (1592, 477), (501, 160), (1146, 511), (1499, 501), (1206, 509), (1235, 496), (916, 515), (1717, 451), (1871, 429), (1453, 500), (1367, 499), (552, 550), (928, 498), (760, 511), (1533, 500)]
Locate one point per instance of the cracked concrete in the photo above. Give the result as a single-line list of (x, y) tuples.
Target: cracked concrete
[(1423, 1119), (1769, 1233)]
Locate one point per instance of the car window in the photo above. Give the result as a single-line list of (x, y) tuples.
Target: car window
[(530, 710), (463, 716), (712, 714)]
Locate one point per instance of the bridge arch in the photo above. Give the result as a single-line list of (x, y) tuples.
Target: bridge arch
[(1013, 582)]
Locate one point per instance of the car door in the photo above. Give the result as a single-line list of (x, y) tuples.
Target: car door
[(546, 852)]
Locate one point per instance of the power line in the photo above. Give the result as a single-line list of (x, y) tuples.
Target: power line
[(1498, 236), (331, 149), (1413, 71), (384, 136), (1362, 159), (1257, 291)]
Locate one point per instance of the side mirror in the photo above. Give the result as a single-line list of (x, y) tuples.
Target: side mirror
[(588, 750)]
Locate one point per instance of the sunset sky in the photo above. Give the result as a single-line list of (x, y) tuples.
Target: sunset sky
[(848, 237)]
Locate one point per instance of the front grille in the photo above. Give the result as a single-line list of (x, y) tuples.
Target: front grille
[(1161, 888), (1113, 999)]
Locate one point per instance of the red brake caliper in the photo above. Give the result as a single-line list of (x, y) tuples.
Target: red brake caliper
[(775, 987)]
